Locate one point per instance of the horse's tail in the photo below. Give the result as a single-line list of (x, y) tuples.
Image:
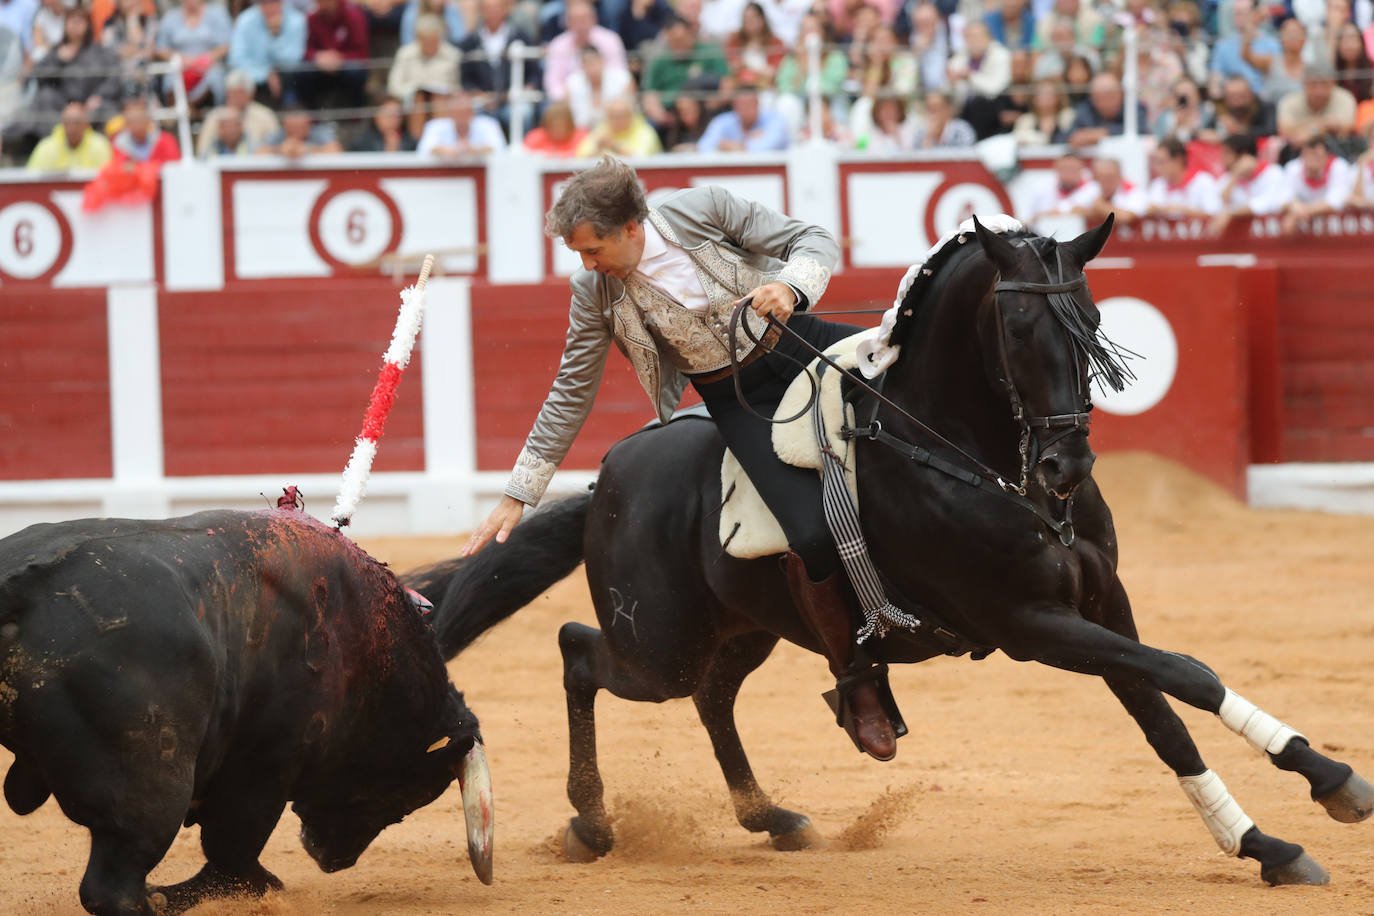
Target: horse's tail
[(471, 595)]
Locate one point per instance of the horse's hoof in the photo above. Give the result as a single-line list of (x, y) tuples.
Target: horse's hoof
[(1352, 802), (803, 837), (1302, 870), (576, 850)]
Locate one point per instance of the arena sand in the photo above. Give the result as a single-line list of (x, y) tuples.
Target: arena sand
[(1021, 790)]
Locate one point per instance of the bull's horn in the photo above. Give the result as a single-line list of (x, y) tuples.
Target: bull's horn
[(478, 809)]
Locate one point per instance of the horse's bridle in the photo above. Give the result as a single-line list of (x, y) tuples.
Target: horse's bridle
[(1031, 447)]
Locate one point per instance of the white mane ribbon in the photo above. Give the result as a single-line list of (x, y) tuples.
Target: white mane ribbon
[(876, 352)]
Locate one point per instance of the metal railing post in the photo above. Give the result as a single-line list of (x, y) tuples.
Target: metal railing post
[(183, 108), (813, 88), (1130, 80), (516, 96)]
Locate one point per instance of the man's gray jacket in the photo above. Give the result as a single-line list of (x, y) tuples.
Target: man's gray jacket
[(736, 245)]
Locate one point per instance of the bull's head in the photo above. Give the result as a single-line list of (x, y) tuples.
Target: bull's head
[(336, 826)]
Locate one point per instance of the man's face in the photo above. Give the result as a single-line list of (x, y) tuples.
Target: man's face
[(271, 12), (680, 38), (937, 108), (296, 125), (1237, 95), (74, 124), (1314, 159), (1062, 37), (1318, 93), (237, 97), (138, 123), (616, 256), (1166, 166), (1108, 176), (327, 6), (1069, 170), (429, 43), (461, 111), (747, 109), (493, 14), (619, 116), (580, 20), (230, 130), (977, 38), (1106, 98)]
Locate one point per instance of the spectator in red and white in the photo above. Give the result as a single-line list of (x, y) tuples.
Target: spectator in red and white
[(1353, 66), (269, 45), (1321, 107), (461, 130), (387, 133), (1319, 181), (754, 47), (141, 140), (1251, 186), (301, 136), (556, 136), (591, 87), (1049, 117), (1179, 189), (562, 56), (939, 127), (200, 32), (336, 52), (256, 122), (979, 74), (1108, 192), (1057, 197), (1103, 114), (423, 70)]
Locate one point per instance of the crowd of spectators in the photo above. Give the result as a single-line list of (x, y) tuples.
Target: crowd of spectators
[(1230, 89)]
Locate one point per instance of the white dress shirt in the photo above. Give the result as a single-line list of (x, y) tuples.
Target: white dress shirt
[(670, 270)]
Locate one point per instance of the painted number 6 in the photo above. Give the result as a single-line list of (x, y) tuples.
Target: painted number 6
[(23, 238), (356, 227)]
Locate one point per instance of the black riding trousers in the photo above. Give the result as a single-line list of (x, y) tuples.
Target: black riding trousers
[(792, 493)]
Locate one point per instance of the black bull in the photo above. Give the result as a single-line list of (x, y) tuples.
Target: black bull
[(209, 669)]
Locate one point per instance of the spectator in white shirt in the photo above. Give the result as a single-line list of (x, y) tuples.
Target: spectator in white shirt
[(590, 88), (1108, 193), (1179, 190), (1319, 182), (461, 132), (1251, 187), (562, 56), (980, 74)]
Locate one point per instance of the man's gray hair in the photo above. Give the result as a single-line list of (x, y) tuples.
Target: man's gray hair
[(606, 196)]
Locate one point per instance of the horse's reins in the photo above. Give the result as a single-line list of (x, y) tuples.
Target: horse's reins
[(986, 477)]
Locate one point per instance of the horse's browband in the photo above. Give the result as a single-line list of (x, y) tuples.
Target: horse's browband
[(1018, 286)]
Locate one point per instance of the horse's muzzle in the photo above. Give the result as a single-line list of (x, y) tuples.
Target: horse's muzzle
[(1065, 465)]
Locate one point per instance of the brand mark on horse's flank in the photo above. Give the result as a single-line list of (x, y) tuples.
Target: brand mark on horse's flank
[(618, 605)]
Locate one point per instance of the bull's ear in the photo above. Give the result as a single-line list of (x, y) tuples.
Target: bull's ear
[(998, 249), (1088, 245)]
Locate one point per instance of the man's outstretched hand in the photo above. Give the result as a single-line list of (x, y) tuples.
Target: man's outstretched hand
[(503, 518)]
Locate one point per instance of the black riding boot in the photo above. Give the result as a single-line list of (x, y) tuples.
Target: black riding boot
[(824, 607)]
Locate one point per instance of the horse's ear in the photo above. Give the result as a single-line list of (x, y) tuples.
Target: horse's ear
[(998, 249), (1088, 245)]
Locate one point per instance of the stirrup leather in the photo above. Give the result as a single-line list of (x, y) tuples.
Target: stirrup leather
[(838, 699)]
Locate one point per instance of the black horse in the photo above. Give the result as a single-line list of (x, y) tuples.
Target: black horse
[(994, 526)]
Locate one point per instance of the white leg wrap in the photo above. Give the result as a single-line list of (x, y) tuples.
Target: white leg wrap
[(1262, 731), (1218, 809)]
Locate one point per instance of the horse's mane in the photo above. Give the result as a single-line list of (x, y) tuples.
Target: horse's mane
[(1107, 360)]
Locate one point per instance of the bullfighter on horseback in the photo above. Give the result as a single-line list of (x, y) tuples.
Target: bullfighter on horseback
[(661, 284)]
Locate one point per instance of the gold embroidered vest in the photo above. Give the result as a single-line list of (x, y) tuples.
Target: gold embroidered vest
[(698, 341)]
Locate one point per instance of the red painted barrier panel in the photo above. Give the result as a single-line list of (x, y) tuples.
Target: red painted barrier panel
[(276, 379), (54, 385)]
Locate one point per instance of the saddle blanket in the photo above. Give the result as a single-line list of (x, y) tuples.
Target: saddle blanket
[(747, 527)]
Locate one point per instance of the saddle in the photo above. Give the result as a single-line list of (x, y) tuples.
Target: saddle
[(747, 526)]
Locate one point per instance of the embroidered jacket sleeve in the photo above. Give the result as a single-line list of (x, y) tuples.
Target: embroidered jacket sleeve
[(570, 399), (811, 253)]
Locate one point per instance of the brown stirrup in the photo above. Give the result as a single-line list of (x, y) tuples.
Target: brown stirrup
[(858, 698)]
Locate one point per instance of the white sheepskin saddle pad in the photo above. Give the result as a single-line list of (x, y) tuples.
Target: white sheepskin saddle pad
[(747, 527)]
